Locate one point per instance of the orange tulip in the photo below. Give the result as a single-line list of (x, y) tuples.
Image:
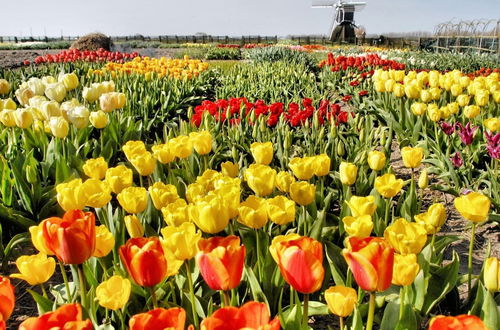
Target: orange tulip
[(221, 261), (72, 237), (250, 316), (68, 317), (371, 261), (460, 322), (300, 260), (3, 326), (7, 298), (144, 260), (159, 318)]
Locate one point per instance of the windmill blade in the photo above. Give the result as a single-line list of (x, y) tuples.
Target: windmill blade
[(323, 3)]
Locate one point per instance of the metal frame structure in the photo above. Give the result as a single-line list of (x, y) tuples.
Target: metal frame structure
[(479, 35)]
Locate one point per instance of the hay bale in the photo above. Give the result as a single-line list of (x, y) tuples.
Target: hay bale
[(92, 41)]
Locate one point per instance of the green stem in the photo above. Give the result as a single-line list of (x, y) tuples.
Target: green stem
[(387, 209), (153, 296), (432, 244), (66, 282), (43, 290), (305, 311), (469, 265), (402, 303), (191, 294), (341, 321), (371, 312), (258, 254), (227, 301), (81, 276), (304, 219)]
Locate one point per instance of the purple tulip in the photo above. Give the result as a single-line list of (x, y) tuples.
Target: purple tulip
[(466, 133), (493, 144), (448, 129), (457, 160)]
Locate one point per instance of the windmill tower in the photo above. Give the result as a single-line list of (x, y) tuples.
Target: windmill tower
[(343, 26)]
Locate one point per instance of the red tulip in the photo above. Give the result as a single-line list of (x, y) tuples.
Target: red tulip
[(221, 261), (72, 238), (144, 259), (67, 317), (7, 298), (300, 260), (371, 261), (159, 319), (3, 326), (250, 316), (460, 322)]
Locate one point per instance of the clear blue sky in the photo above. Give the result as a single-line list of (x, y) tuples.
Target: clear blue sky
[(225, 17)]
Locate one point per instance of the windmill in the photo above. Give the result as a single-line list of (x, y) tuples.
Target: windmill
[(343, 25)]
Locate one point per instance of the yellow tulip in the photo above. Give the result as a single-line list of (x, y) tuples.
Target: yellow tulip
[(133, 149), (23, 95), (23, 118), (55, 92), (433, 219), (261, 179), (176, 213), (456, 90), (425, 95), (321, 164), (181, 146), (302, 168), (472, 111), (163, 153), (99, 119), (463, 100), (253, 212), (111, 101), (119, 178), (35, 269), (182, 241), (453, 108), (348, 173), (202, 142), (362, 205), (284, 180), (412, 91), (302, 192), (38, 240), (4, 87), (418, 108), (70, 195), (359, 226), (231, 195), (376, 160), (388, 186), (7, 118), (341, 300), (113, 293), (144, 163), (492, 274), (195, 191), (96, 193), (36, 85), (406, 237), (423, 179), (59, 127), (90, 94), (229, 169), (133, 199), (482, 97), (69, 80), (436, 93), (281, 210), (398, 90), (104, 241), (95, 168), (405, 269), (209, 214), (134, 226), (473, 206), (162, 194), (262, 152), (412, 157), (492, 124)]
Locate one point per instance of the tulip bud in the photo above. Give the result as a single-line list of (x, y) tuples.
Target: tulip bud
[(423, 179), (23, 118), (341, 300), (134, 226), (99, 119), (69, 80), (31, 174), (340, 149), (492, 274), (4, 86), (114, 292), (59, 127), (348, 173), (405, 269), (55, 92)]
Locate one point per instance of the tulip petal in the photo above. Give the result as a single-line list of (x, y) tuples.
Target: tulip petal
[(252, 315), (302, 270), (363, 271), (213, 271)]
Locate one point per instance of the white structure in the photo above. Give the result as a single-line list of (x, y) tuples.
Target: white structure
[(343, 25)]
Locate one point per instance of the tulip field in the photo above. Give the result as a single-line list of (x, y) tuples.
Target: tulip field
[(302, 188)]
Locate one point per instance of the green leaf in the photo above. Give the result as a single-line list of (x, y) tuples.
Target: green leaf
[(338, 266), (44, 304), (257, 293)]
